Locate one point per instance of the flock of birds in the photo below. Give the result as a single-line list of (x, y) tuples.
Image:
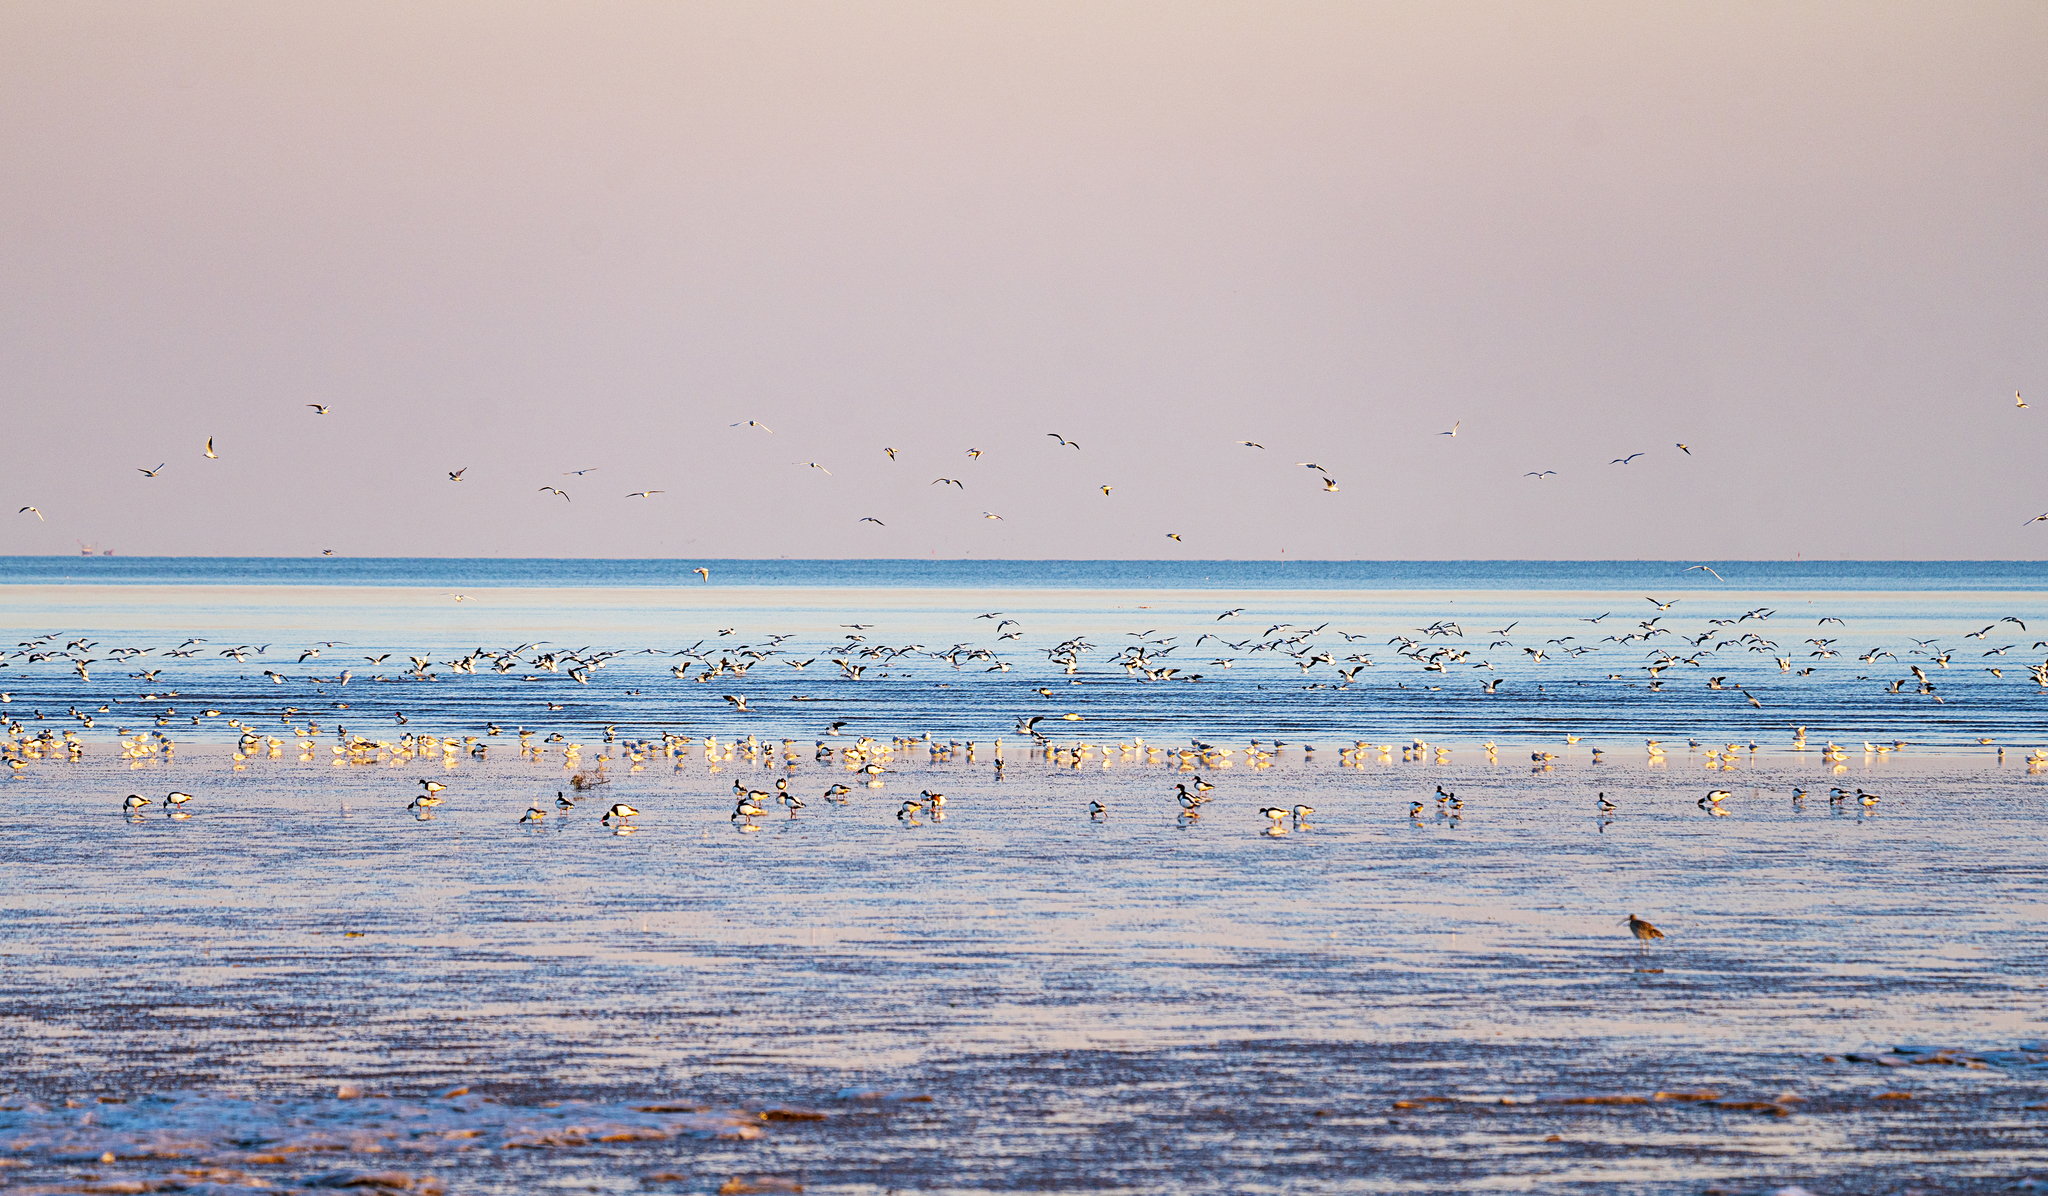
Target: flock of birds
[(1060, 441)]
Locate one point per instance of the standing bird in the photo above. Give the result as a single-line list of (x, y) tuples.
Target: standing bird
[(620, 811), (1643, 931), (134, 801), (533, 814), (176, 799)]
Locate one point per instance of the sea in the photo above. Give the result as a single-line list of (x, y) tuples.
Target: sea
[(1116, 876)]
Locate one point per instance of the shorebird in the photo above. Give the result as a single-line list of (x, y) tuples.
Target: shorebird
[(1176, 535), (1690, 568), (1251, 444), (956, 482), (703, 573), (1606, 807), (1106, 490), (1454, 429), (134, 801), (1681, 448), (563, 802), (891, 452), (432, 787), (1540, 476), (871, 519), (1072, 444), (176, 799), (620, 811), (1096, 809), (423, 802), (533, 814), (1276, 813), (746, 807), (1643, 931)]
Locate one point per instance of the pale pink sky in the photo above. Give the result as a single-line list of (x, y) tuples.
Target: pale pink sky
[(1808, 240)]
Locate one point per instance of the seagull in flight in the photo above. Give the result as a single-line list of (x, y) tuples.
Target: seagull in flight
[(39, 514), (551, 490), (1176, 535), (1540, 476), (1329, 485), (1629, 458), (974, 454), (1681, 448), (1690, 568), (1235, 610), (645, 493), (873, 520), (1106, 490), (950, 482), (209, 449), (1312, 465), (457, 475), (891, 452), (149, 473), (318, 408), (1454, 429), (2018, 402), (755, 423), (1072, 444), (819, 468), (990, 515), (703, 573), (1251, 444), (577, 473), (2041, 518)]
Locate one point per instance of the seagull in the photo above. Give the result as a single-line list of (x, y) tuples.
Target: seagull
[(209, 449), (1176, 535), (1251, 444), (1235, 610), (703, 573), (891, 452), (873, 520), (577, 473), (819, 468), (1072, 444), (1690, 568), (974, 454), (2041, 518), (148, 473), (1312, 465), (645, 493), (1329, 485), (39, 514), (1660, 605), (457, 475), (551, 490), (318, 408), (2018, 402), (990, 515), (949, 482), (754, 423), (1629, 458), (1540, 476), (1453, 431), (1681, 448), (1106, 490)]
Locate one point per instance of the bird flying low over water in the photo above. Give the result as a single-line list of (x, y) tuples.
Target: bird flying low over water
[(703, 573), (1690, 568)]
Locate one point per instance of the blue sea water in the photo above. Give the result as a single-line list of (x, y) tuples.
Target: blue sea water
[(1142, 1001)]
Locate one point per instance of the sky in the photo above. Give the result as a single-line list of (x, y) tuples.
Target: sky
[(1807, 241)]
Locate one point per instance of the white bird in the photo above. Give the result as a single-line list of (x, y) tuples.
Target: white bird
[(457, 475), (620, 811), (209, 449), (1690, 568), (1627, 459), (819, 468), (318, 408), (754, 423), (533, 814), (176, 799), (990, 515), (39, 514), (149, 473), (645, 493), (1453, 431), (551, 490), (2018, 402)]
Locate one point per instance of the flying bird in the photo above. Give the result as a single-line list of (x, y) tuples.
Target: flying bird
[(754, 423), (551, 490), (1454, 429), (975, 454), (1540, 476), (2042, 518), (457, 475), (891, 452), (819, 468), (577, 473), (1311, 465), (2018, 402), (318, 408), (703, 573), (990, 515), (209, 449), (149, 473), (873, 520), (1106, 490), (1629, 458), (1072, 444), (1251, 444), (1690, 568), (1176, 535), (1329, 485), (645, 493), (950, 482), (1681, 448), (39, 514)]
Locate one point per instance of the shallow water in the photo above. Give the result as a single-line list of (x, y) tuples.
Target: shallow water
[(1137, 1003)]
